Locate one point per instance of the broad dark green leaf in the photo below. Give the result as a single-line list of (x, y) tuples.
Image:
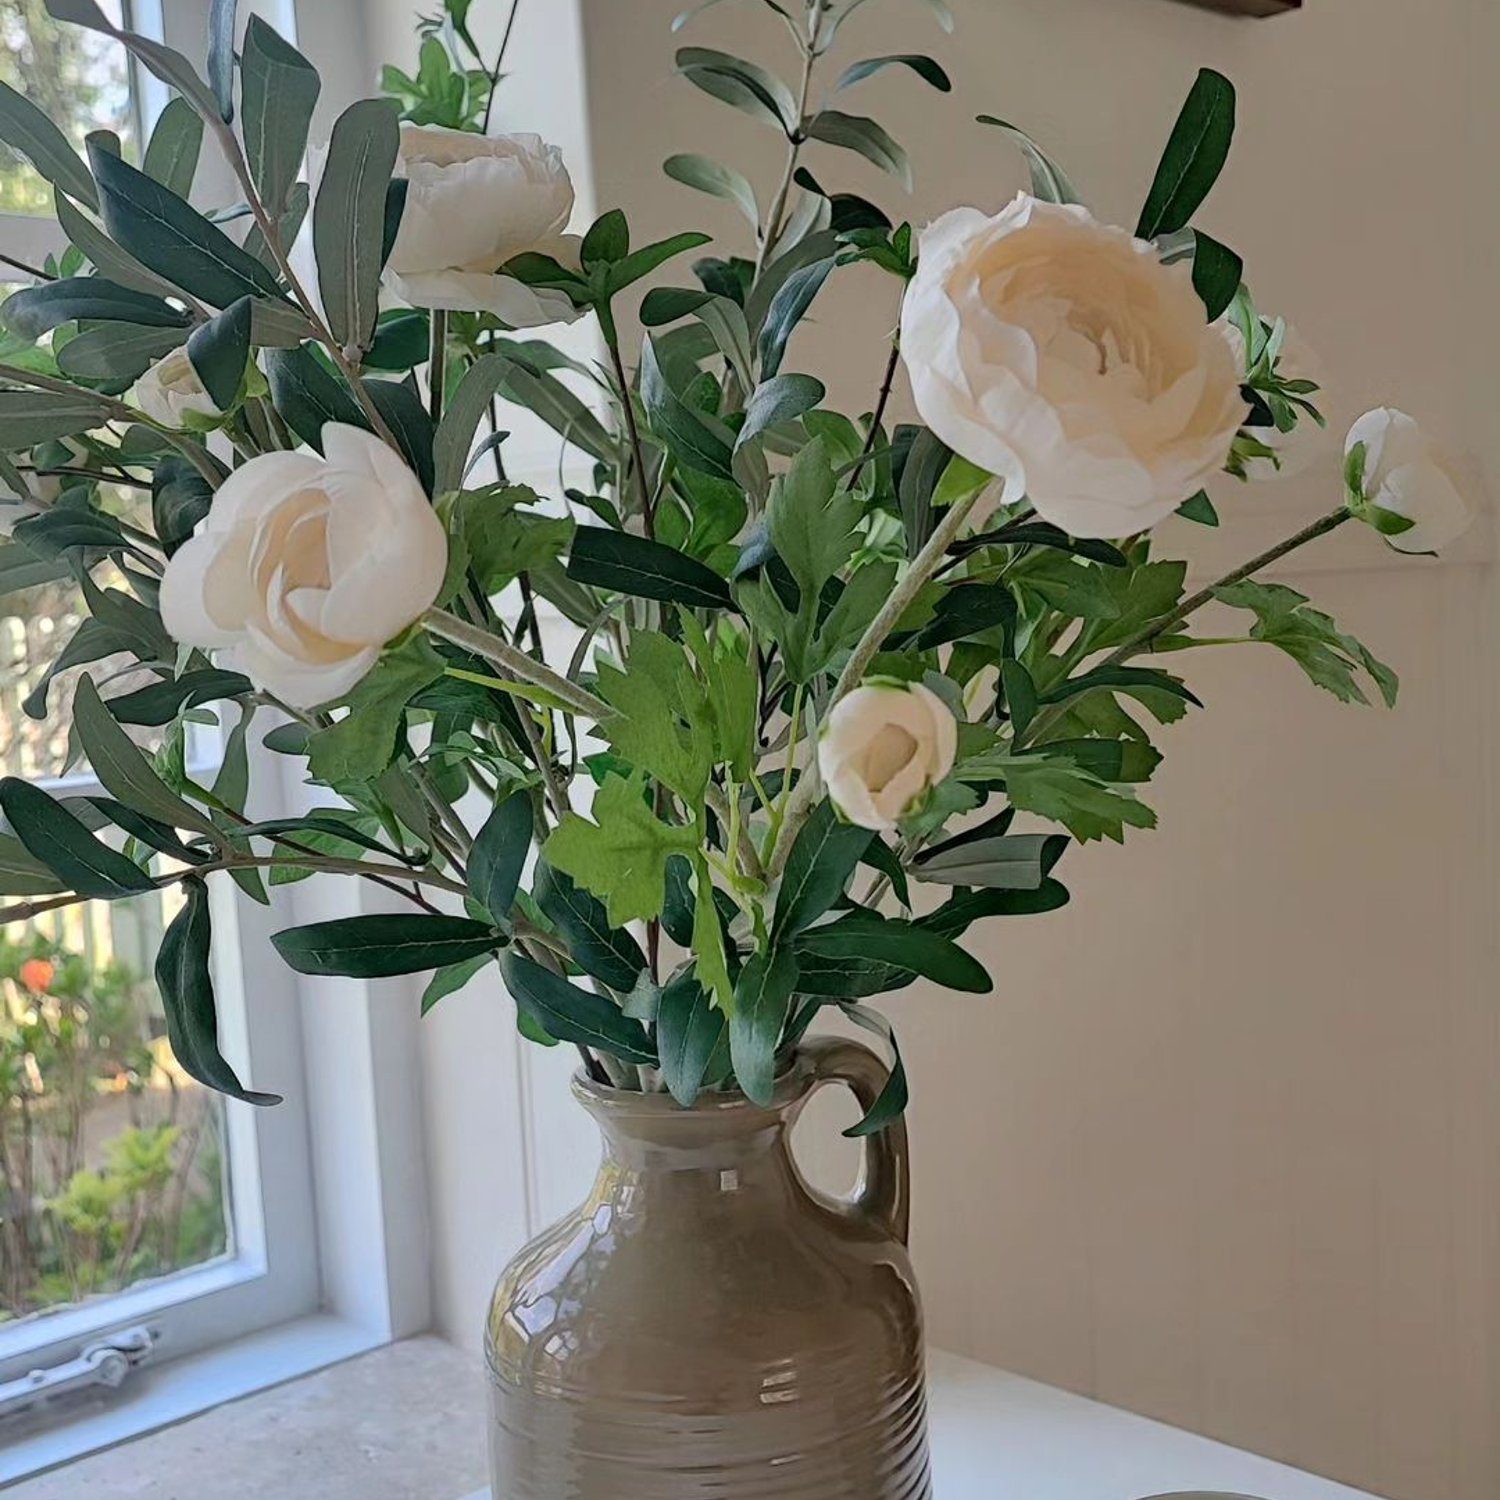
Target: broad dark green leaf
[(39, 309), (451, 980), (928, 69), (21, 873), (176, 142), (693, 437), (185, 980), (863, 135), (147, 831), (103, 254), (169, 236), (1015, 862), (466, 407), (904, 945), (123, 770), (823, 858), (570, 1014), (221, 18), (161, 702), (968, 609), (279, 88), (890, 1104), (648, 258), (849, 978), (607, 239), (762, 1001), (58, 531), (30, 133), (53, 835), (1199, 508), (378, 947), (499, 855), (1195, 155), (608, 953), (114, 356), (956, 915), (1138, 682), (1217, 271), (180, 498), (220, 351), (349, 217), (689, 1030), (644, 569), (405, 413), (308, 394)]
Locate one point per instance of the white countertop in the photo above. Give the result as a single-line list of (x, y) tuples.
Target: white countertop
[(996, 1436)]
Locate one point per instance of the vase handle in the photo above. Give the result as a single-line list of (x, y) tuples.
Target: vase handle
[(885, 1193)]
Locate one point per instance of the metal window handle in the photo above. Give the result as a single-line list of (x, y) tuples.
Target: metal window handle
[(106, 1362)]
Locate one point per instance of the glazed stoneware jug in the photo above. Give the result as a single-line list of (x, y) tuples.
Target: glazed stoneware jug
[(708, 1325)]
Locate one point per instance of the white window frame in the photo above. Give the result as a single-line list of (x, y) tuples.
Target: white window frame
[(330, 1249)]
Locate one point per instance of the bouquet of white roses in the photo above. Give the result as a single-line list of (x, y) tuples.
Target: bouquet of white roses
[(838, 689)]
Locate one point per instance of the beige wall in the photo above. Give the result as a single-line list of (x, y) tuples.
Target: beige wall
[(1225, 1144)]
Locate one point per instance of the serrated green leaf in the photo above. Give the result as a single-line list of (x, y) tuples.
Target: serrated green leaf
[(362, 744)]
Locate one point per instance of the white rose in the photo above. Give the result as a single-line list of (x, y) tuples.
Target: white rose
[(170, 392), (883, 748), (306, 566), (472, 203), (1404, 474), (1061, 355)]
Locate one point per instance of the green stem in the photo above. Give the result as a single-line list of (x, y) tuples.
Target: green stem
[(772, 231), (437, 367), (627, 405)]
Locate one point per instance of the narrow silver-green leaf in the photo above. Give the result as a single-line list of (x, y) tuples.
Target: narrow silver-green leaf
[(711, 177), (279, 89), (172, 155), (27, 131)]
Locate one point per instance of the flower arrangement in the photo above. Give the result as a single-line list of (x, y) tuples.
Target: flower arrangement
[(837, 690)]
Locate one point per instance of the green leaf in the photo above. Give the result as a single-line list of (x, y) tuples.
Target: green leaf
[(608, 953), (928, 69), (180, 498), (349, 217), (176, 142), (567, 414), (161, 702), (451, 980), (467, 405), (694, 438), (115, 355), (1059, 789), (1048, 180), (871, 140), (23, 875), (39, 309), (53, 835), (22, 569), (641, 263), (1166, 696), (382, 946), (499, 855), (168, 235), (762, 1000), (622, 857), (279, 89), (221, 18), (104, 255), (689, 1030), (903, 945), (1330, 658), (892, 1100), (745, 85), (788, 307), (1014, 862), (811, 521), (308, 394), (969, 609), (506, 538), (570, 1014), (709, 176), (783, 398), (185, 980), (363, 743), (708, 941), (608, 239), (123, 770), (956, 915), (1199, 508), (635, 565), (1217, 271), (30, 133), (405, 413), (661, 712), (1195, 155), (220, 351), (822, 860)]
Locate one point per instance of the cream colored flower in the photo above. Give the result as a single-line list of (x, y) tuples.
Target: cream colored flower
[(1061, 355), (306, 566), (171, 393), (474, 202), (883, 748), (1404, 474)]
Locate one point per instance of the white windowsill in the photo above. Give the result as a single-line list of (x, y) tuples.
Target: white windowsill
[(996, 1436), (154, 1398)]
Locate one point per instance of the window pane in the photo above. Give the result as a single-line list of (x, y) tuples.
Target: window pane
[(112, 1162), (77, 78)]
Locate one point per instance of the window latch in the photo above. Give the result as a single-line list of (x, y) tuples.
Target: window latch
[(106, 1362)]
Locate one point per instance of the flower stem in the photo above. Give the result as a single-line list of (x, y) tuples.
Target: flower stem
[(437, 365)]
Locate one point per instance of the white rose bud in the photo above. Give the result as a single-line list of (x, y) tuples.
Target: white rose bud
[(883, 748), (474, 202), (1061, 355), (306, 566), (171, 393), (1403, 474)]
